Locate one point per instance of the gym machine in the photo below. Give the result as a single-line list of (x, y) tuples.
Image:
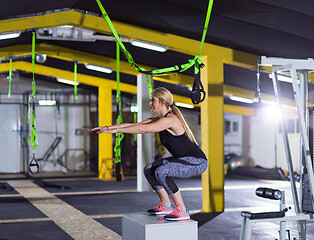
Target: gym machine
[(297, 70)]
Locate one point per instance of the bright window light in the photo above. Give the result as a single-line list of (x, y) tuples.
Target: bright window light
[(241, 99), (47, 102), (98, 68), (9, 35), (134, 109), (148, 45), (272, 113), (67, 81), (185, 105)]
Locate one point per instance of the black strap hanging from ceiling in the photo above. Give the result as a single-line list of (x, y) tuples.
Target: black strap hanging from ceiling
[(198, 93)]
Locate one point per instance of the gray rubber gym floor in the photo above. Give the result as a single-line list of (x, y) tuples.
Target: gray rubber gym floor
[(24, 215)]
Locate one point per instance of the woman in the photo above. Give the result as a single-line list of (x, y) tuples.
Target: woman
[(187, 158)]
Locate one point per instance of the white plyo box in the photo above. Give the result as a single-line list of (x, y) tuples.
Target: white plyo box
[(141, 226)]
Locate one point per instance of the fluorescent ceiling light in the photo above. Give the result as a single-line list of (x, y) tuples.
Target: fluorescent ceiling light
[(148, 45), (241, 99), (67, 81), (98, 68), (9, 35), (47, 102), (185, 105)]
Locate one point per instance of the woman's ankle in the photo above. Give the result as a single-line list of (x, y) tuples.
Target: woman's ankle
[(168, 204)]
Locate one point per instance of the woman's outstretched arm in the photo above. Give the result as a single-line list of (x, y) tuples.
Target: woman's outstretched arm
[(105, 129), (155, 125)]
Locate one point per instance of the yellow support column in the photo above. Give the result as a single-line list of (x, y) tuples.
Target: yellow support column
[(105, 148), (212, 135)]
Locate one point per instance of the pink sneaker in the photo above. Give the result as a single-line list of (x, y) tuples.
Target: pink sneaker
[(161, 209), (178, 214)]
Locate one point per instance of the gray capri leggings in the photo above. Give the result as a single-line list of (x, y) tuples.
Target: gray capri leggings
[(159, 174)]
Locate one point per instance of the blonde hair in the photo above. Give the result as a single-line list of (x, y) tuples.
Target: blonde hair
[(165, 96)]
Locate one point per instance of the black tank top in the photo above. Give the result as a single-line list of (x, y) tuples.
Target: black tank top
[(180, 145)]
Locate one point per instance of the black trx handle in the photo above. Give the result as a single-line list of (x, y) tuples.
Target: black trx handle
[(33, 163), (198, 94), (118, 172)]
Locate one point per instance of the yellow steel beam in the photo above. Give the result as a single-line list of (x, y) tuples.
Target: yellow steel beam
[(98, 24), (47, 71), (58, 73), (245, 111), (84, 57), (94, 81), (213, 135), (105, 140), (40, 21), (237, 91), (182, 99)]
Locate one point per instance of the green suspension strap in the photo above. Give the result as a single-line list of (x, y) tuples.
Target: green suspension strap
[(198, 90), (75, 80), (33, 136), (119, 136), (209, 11), (33, 63), (198, 93), (122, 47), (10, 77)]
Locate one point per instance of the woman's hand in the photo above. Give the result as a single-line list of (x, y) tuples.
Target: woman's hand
[(97, 129), (104, 129)]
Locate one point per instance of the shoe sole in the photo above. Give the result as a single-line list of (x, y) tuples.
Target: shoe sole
[(160, 213), (176, 219)]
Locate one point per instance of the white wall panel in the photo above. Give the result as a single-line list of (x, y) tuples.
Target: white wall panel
[(10, 159)]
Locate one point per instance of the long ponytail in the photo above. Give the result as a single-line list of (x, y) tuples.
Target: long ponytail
[(186, 127), (165, 96)]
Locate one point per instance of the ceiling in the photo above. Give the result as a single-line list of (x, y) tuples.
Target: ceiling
[(281, 28)]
